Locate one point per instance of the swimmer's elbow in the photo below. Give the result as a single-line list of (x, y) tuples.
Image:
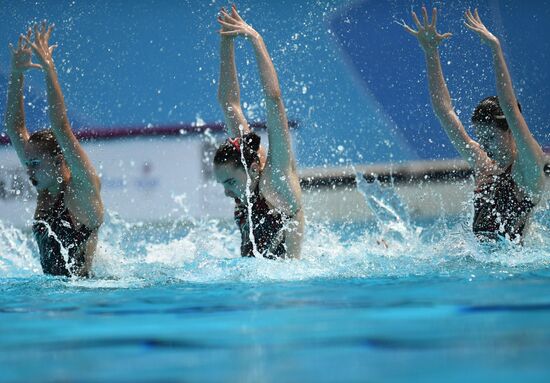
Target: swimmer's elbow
[(535, 183), (97, 216)]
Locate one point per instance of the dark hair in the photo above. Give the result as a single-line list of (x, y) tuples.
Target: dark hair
[(230, 151), (488, 111), (46, 141)]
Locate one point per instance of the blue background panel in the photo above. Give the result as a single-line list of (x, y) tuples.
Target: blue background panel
[(391, 66), (350, 75)]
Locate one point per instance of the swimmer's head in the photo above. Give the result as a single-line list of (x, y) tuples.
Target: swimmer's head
[(45, 163), (229, 164), (492, 130)]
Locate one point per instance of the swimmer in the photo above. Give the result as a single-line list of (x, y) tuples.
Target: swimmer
[(506, 159), (268, 183), (69, 210)]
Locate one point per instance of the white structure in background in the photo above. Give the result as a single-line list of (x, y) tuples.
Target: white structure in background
[(152, 179), (143, 179)]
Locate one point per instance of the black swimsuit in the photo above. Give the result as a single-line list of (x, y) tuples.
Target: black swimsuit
[(497, 210), (269, 228), (62, 231)]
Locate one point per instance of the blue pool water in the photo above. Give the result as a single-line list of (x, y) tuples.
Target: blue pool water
[(176, 303)]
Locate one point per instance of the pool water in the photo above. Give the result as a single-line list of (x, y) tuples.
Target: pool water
[(176, 303)]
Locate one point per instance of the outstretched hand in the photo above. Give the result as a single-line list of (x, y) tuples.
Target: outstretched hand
[(233, 25), (40, 46), (426, 32), (21, 58), (474, 23)]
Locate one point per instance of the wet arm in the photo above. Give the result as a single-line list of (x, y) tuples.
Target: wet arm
[(530, 158), (443, 108), (84, 178), (15, 114), (229, 95), (429, 39), (280, 165)]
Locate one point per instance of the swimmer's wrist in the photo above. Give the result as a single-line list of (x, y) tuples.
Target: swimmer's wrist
[(49, 69), (16, 79), (255, 37), (17, 72), (430, 51)]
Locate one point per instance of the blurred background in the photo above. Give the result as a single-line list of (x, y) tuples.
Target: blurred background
[(352, 79)]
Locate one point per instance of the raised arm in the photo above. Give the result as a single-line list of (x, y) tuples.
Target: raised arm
[(229, 94), (281, 184), (84, 180), (528, 166), (429, 40), (15, 110)]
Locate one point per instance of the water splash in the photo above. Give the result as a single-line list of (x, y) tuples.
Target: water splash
[(248, 198), (17, 249), (134, 254), (392, 217), (64, 251)]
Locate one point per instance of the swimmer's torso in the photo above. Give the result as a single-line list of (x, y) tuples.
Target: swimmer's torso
[(59, 237), (498, 209), (270, 228)]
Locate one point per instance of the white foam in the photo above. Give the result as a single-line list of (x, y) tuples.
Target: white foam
[(208, 251)]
